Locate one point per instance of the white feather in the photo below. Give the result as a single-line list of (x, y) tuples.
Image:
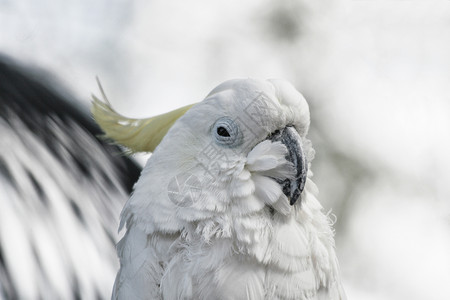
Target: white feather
[(239, 238)]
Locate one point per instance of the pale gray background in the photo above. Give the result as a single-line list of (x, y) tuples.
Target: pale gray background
[(376, 75)]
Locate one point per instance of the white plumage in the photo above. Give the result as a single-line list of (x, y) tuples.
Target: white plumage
[(209, 218)]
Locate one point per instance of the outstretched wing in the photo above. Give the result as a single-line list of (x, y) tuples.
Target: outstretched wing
[(61, 190)]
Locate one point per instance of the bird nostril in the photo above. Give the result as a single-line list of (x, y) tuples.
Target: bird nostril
[(274, 134)]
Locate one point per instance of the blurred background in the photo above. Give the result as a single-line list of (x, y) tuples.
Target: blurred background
[(376, 75)]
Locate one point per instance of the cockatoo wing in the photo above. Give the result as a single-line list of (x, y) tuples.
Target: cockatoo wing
[(61, 190)]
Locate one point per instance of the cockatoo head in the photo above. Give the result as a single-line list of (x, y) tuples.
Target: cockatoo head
[(242, 148)]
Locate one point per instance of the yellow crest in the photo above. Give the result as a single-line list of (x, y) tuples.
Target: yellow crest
[(139, 135)]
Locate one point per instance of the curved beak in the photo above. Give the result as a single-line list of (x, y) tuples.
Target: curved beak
[(292, 188)]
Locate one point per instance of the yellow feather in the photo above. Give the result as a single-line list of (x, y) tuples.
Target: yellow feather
[(139, 135)]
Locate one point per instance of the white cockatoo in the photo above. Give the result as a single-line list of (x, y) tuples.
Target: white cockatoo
[(225, 207)]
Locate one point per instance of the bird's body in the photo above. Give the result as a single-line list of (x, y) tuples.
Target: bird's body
[(210, 216)]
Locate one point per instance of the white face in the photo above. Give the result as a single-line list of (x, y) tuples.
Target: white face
[(222, 145), (198, 172)]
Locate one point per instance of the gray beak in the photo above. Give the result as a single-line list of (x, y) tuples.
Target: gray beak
[(292, 188)]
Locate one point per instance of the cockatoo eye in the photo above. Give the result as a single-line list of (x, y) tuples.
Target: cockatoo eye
[(226, 132), (222, 131)]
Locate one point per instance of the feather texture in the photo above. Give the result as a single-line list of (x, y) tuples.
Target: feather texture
[(209, 221)]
